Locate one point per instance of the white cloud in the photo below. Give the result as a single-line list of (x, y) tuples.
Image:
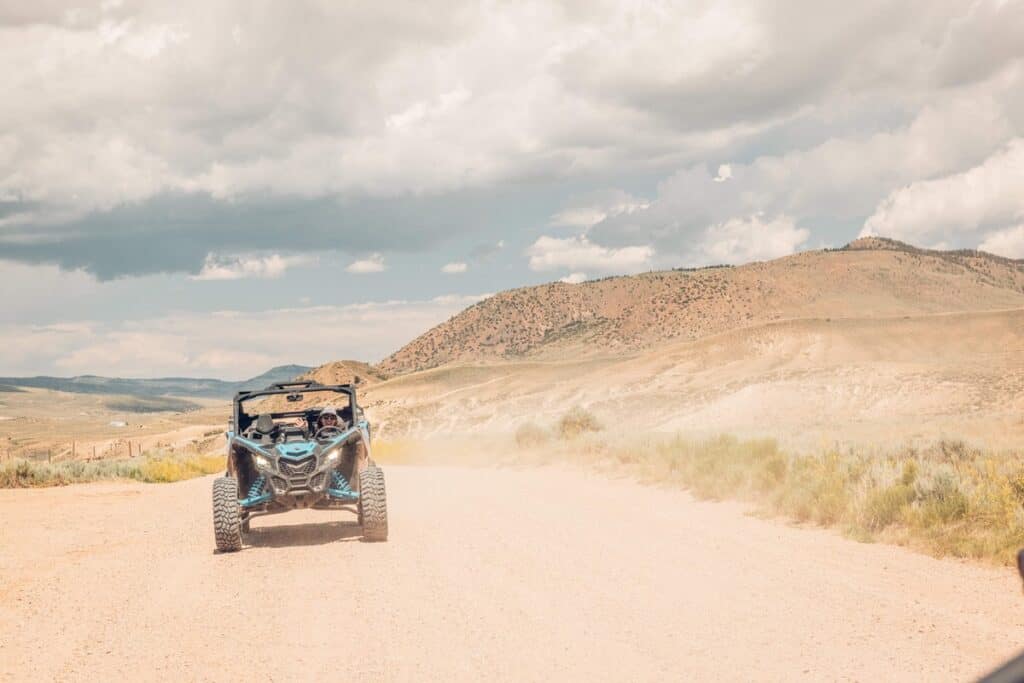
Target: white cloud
[(1008, 242), (581, 217), (227, 344), (595, 208), (552, 253), (409, 98), (454, 268), (724, 173), (749, 239), (837, 182), (573, 278), (373, 264), (239, 267), (988, 194)]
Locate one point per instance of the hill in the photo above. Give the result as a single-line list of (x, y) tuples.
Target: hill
[(875, 381), (148, 388), (345, 372), (868, 278)]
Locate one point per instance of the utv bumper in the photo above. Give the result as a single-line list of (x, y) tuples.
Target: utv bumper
[(299, 484)]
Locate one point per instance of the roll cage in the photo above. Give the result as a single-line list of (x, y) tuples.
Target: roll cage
[(240, 420)]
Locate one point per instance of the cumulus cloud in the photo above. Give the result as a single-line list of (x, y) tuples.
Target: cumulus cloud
[(749, 239), (1008, 242), (227, 344), (596, 207), (553, 253), (454, 268), (838, 182), (986, 195), (143, 102), (573, 278), (373, 264), (240, 267)]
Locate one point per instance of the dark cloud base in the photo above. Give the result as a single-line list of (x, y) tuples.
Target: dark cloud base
[(174, 233)]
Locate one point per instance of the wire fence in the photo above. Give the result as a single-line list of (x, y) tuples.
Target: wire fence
[(118, 449)]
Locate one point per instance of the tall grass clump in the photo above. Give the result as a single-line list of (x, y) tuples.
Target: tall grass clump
[(168, 469)]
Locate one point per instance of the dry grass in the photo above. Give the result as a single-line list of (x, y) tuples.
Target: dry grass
[(394, 451), (157, 468), (946, 500), (577, 422), (530, 435)]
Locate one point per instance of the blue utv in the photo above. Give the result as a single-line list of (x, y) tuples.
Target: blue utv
[(284, 454)]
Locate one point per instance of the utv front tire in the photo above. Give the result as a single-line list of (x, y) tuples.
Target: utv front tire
[(373, 505), (227, 522)]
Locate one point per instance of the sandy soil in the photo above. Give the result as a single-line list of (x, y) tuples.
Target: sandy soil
[(877, 383), (489, 574)]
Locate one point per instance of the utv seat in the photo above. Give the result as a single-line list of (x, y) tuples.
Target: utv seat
[(345, 417), (265, 427)]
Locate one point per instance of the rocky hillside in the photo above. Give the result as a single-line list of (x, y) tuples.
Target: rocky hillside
[(345, 372), (869, 278)]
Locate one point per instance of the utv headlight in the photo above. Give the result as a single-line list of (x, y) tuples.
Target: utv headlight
[(261, 462), (333, 455)]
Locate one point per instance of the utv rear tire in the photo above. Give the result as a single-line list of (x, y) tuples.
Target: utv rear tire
[(373, 505), (227, 522)]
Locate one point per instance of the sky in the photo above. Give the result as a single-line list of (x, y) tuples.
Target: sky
[(207, 188)]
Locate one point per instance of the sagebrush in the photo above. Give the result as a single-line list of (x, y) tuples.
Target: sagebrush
[(160, 467)]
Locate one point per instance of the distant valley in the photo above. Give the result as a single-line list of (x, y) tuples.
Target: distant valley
[(154, 390)]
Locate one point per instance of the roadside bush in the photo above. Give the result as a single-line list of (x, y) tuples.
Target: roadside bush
[(941, 503), (816, 489), (886, 506), (156, 469), (168, 469), (576, 422)]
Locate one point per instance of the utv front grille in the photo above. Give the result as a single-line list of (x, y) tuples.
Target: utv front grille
[(298, 469), (317, 481)]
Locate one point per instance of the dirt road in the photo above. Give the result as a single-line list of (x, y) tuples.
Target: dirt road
[(489, 574)]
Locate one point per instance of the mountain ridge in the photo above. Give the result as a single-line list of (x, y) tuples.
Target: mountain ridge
[(869, 277), (201, 387)]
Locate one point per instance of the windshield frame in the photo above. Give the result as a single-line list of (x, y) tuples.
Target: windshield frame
[(242, 419)]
